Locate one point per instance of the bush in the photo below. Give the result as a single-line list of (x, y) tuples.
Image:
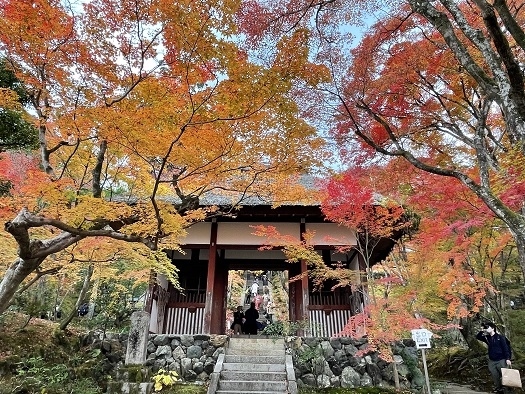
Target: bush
[(36, 375), (284, 328)]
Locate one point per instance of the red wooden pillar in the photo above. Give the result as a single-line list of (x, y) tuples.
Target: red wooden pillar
[(303, 296), (298, 292), (292, 293), (303, 306), (211, 299), (299, 300), (220, 296)]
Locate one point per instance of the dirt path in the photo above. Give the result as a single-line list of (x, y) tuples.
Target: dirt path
[(443, 387), (452, 388)]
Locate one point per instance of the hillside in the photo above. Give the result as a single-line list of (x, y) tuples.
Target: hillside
[(39, 358)]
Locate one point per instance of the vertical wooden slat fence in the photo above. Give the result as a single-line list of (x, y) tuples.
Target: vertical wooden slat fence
[(323, 324), (329, 311), (185, 321)]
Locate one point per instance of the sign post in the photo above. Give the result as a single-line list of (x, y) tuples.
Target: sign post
[(422, 339)]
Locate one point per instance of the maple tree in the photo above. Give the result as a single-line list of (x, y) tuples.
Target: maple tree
[(438, 275), (461, 253), (16, 129), (143, 108), (435, 83), (350, 201), (461, 260)]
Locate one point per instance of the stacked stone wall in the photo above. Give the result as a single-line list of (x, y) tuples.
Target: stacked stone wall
[(344, 362), (193, 357), (318, 362)]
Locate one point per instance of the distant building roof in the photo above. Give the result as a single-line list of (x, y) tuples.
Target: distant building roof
[(252, 198)]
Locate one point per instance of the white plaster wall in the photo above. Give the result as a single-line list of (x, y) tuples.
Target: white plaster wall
[(163, 281), (354, 264), (242, 233), (331, 234), (198, 234)]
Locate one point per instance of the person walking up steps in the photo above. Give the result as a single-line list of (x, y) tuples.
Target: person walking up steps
[(254, 289), (499, 354), (251, 315)]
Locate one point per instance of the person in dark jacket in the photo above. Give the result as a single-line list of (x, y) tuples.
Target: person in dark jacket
[(251, 315), (499, 353), (238, 320)]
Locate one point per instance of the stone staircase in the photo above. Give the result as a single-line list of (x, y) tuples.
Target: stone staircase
[(253, 365), (249, 279)]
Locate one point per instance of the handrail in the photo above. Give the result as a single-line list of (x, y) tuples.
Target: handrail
[(215, 375)]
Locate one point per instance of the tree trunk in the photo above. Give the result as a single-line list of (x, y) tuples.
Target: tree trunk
[(519, 237), (13, 277), (81, 297), (31, 252)]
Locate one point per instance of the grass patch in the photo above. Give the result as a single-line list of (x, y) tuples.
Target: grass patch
[(185, 388)]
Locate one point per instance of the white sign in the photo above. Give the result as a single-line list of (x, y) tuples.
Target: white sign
[(422, 338)]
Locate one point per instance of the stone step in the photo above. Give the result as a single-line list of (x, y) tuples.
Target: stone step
[(255, 351), (253, 364), (261, 376), (252, 359), (243, 340), (256, 339), (250, 367), (262, 347), (256, 336), (248, 385)]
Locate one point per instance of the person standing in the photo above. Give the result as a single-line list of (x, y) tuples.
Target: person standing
[(258, 301), (251, 315), (265, 282), (265, 300), (269, 311), (254, 289), (238, 320), (248, 297), (499, 354)]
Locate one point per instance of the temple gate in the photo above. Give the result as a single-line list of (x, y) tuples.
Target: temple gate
[(214, 247)]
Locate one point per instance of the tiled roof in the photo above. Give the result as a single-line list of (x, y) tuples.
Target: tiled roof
[(208, 199)]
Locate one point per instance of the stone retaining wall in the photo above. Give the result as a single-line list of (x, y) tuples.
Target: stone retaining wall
[(318, 362), (336, 362), (193, 357)]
